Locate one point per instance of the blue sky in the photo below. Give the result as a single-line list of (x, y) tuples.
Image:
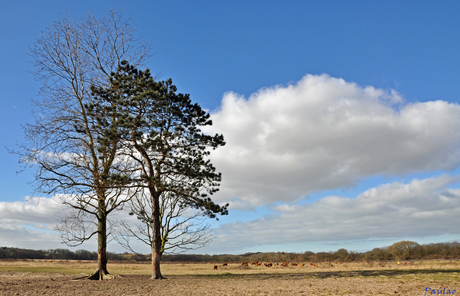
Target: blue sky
[(321, 103)]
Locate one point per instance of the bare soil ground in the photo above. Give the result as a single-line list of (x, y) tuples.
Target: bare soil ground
[(61, 278)]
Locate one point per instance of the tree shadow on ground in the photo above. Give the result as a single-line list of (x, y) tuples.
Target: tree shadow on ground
[(334, 274)]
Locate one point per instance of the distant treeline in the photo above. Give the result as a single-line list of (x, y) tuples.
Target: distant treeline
[(404, 250), (60, 254)]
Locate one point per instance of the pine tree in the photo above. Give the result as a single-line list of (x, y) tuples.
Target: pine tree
[(162, 136)]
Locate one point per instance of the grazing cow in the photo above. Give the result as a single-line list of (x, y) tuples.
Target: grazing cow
[(258, 264), (244, 264), (284, 264), (225, 264), (314, 265), (303, 264), (293, 264), (215, 267)]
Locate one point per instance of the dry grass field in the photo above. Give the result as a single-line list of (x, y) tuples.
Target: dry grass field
[(374, 278)]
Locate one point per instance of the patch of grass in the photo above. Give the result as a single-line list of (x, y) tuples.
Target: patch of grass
[(441, 276)]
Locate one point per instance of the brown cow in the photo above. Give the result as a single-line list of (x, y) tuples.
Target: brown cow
[(244, 264), (225, 264), (314, 265), (303, 264), (284, 264), (293, 264), (215, 267)]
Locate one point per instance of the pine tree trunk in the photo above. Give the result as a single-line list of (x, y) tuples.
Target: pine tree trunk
[(156, 272), (156, 243)]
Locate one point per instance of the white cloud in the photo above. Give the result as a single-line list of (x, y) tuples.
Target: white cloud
[(21, 236), (324, 133), (421, 208), (29, 224), (418, 209), (33, 210)]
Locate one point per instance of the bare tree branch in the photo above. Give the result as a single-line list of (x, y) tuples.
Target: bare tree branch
[(182, 228)]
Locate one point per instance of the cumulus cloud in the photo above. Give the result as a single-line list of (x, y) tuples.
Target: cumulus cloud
[(35, 210), (31, 224), (421, 208), (325, 133), (27, 237)]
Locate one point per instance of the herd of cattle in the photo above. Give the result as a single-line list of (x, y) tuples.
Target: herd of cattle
[(284, 264)]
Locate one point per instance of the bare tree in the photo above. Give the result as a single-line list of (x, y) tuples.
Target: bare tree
[(181, 227), (74, 155)]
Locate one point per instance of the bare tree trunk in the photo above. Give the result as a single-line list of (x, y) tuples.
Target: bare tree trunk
[(101, 248), (156, 242)]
